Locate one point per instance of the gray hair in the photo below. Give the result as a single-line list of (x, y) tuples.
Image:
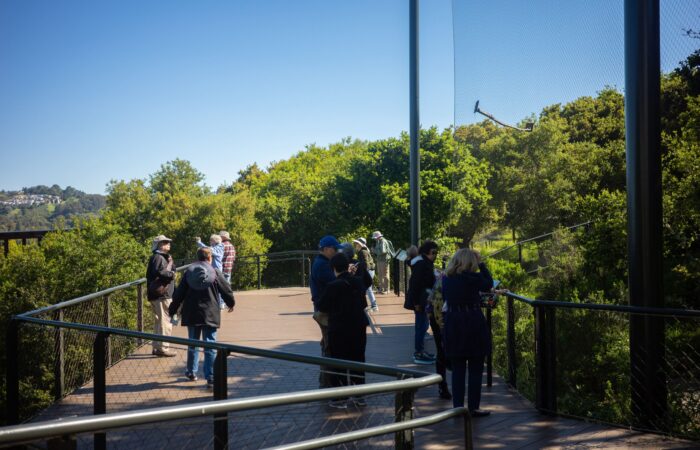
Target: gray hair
[(215, 238)]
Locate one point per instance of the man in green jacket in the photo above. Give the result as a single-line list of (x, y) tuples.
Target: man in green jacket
[(383, 251)]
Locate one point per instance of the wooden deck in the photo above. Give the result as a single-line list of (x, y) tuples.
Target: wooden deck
[(280, 319)]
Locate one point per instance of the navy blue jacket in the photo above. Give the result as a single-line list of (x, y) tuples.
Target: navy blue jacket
[(321, 275), (466, 331)]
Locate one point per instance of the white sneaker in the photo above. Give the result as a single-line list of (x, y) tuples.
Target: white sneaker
[(375, 308)]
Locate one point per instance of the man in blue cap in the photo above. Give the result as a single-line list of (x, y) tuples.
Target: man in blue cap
[(321, 275)]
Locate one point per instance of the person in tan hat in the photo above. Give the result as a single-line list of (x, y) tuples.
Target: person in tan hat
[(383, 251), (229, 255), (160, 283)]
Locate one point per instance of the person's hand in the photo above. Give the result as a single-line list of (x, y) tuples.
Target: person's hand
[(352, 268), (230, 309), (197, 239)]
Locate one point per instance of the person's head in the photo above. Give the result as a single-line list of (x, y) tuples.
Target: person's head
[(204, 254), (429, 249), (377, 235), (225, 236), (347, 249), (412, 252), (214, 239), (339, 263), (328, 246), (161, 243), (464, 260)]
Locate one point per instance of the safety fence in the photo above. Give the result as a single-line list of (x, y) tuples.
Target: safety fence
[(90, 356), (574, 359)]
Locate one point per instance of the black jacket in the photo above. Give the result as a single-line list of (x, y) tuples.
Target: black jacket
[(158, 268), (344, 301), (198, 292), (422, 278)]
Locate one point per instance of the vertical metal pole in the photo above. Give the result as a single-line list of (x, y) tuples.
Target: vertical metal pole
[(6, 244), (108, 322), (644, 208), (468, 441), (414, 128), (139, 311), (60, 364), (545, 376), (257, 258), (303, 272), (510, 343), (12, 371), (403, 440), (221, 393), (489, 357), (520, 254), (99, 359)]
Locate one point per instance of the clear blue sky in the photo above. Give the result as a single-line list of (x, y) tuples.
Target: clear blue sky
[(98, 90)]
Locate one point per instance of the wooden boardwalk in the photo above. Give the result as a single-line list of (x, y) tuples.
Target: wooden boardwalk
[(280, 319)]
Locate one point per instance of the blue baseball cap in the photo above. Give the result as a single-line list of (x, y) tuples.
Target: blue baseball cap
[(328, 241)]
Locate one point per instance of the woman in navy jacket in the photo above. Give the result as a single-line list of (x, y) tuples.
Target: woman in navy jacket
[(467, 338)]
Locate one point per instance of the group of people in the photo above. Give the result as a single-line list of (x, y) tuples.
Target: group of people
[(204, 290), (450, 304)]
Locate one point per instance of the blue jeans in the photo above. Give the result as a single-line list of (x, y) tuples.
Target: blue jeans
[(370, 292), (459, 371), (422, 324), (208, 334)]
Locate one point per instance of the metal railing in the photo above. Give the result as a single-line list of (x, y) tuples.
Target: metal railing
[(574, 359), (22, 236), (81, 341)]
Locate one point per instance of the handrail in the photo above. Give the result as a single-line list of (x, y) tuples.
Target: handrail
[(275, 354), (517, 244), (665, 312), (88, 297), (29, 432), (385, 429)]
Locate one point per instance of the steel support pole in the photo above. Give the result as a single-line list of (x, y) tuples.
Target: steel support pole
[(489, 357), (644, 208), (12, 371), (510, 343), (221, 393), (99, 360), (403, 440), (414, 128), (545, 360), (139, 310), (60, 362)]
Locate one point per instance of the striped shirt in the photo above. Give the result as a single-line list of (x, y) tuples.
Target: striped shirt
[(229, 257)]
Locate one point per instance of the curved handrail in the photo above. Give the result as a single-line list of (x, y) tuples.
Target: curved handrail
[(535, 238), (40, 430)]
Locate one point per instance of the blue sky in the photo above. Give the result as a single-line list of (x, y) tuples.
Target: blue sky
[(98, 90)]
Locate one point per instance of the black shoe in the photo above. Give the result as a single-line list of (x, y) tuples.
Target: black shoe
[(479, 413), (444, 393)]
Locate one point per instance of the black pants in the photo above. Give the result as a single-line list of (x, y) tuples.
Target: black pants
[(440, 360), (349, 345), (459, 369)]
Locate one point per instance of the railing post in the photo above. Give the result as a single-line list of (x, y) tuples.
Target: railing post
[(221, 393), (520, 254), (257, 258), (12, 371), (60, 364), (99, 359), (489, 357), (303, 272), (545, 360), (510, 343), (139, 311), (403, 440), (107, 318), (6, 244), (468, 444)]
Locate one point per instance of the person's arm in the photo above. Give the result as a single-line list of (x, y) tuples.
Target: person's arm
[(486, 278), (162, 268), (225, 291), (178, 297), (218, 251)]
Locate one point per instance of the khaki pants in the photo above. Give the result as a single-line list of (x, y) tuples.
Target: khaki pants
[(161, 322), (383, 275)]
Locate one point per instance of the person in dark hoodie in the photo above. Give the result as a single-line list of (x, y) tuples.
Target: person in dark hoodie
[(467, 338), (160, 284), (344, 302), (198, 293), (420, 286)]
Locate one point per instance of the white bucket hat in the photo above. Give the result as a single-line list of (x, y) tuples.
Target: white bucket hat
[(376, 235)]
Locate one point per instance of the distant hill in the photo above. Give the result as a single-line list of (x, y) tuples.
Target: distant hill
[(39, 207)]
